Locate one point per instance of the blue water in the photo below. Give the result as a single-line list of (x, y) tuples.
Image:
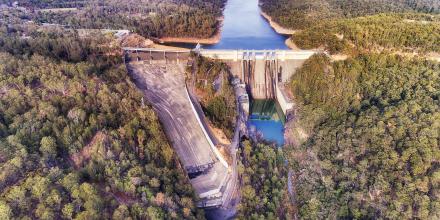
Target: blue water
[(271, 130), (245, 28), (268, 119)]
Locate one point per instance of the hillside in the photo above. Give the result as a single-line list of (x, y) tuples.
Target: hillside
[(363, 25), (298, 14), (405, 33), (77, 140), (374, 136), (157, 18)]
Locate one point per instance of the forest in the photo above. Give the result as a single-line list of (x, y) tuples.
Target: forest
[(374, 129), (77, 140), (361, 25), (299, 14), (211, 80), (149, 18), (263, 176), (414, 33)]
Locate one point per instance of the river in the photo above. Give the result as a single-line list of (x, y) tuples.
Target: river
[(244, 28)]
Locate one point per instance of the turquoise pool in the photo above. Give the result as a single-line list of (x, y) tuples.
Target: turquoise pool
[(268, 119)]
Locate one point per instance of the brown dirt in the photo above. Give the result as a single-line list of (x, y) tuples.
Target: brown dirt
[(339, 57), (219, 134), (277, 27), (135, 40), (85, 153), (292, 45)]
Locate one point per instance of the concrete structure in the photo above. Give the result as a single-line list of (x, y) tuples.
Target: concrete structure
[(160, 75), (264, 72), (163, 84)]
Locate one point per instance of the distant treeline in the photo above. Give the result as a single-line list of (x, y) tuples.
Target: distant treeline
[(300, 14), (350, 26), (150, 18)]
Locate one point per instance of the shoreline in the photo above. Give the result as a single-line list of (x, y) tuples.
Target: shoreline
[(277, 27), (195, 40), (291, 45)]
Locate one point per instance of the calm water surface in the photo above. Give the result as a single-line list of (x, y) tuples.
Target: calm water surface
[(268, 119), (245, 28)]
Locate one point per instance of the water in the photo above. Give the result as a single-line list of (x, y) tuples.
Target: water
[(268, 119), (245, 28)]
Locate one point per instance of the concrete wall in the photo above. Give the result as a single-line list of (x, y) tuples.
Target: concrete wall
[(257, 88), (287, 62), (238, 54), (285, 103)]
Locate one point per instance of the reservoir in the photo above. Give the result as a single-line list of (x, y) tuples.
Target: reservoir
[(244, 28)]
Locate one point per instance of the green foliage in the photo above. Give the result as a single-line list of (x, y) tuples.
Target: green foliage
[(220, 105), (299, 14), (341, 27), (321, 86), (379, 157), (77, 143), (402, 32), (264, 183), (157, 18)]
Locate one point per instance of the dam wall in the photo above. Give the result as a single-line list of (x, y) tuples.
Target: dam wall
[(264, 72)]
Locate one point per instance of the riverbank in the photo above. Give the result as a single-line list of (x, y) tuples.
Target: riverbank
[(194, 40), (292, 45), (277, 27), (135, 40)]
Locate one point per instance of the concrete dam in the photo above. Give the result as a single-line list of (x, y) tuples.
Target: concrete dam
[(264, 72), (160, 74)]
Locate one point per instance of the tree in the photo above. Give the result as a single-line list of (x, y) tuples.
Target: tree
[(48, 147), (5, 211)]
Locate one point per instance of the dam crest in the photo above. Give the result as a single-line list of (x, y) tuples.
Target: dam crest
[(264, 72)]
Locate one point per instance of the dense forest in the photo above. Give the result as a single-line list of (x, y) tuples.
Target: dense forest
[(373, 150), (150, 18), (263, 177), (300, 14), (415, 33), (77, 140), (342, 27)]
